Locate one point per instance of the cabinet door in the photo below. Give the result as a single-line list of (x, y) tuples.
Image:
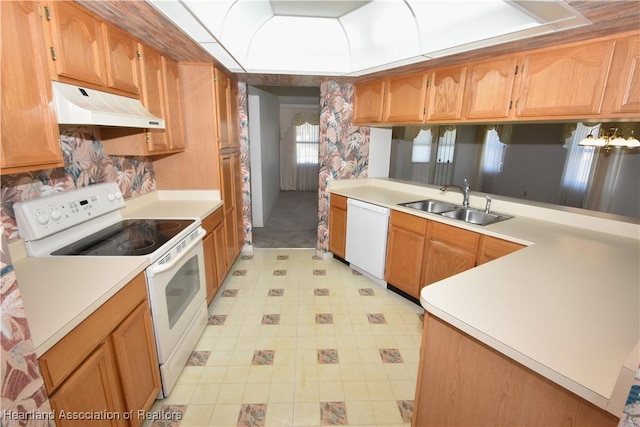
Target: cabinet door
[(29, 130), (123, 64), (490, 88), (446, 90), (368, 102), (227, 186), (93, 387), (153, 97), (405, 252), (565, 81), (220, 243), (78, 43), (627, 79), (210, 273), (173, 119), (405, 100), (338, 225), (135, 350), (234, 125), (222, 108), (450, 250)]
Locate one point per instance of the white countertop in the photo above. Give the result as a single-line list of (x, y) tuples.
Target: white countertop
[(60, 292), (567, 306)]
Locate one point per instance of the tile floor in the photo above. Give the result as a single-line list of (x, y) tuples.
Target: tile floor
[(295, 340)]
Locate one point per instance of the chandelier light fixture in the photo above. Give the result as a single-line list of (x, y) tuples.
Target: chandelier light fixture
[(610, 139)]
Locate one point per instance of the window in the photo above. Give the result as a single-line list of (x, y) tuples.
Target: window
[(493, 153), (307, 139)]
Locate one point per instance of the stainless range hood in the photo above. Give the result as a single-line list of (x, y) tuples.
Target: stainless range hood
[(77, 105)]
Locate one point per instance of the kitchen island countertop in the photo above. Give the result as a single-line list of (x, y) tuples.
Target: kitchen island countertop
[(58, 293), (566, 306)]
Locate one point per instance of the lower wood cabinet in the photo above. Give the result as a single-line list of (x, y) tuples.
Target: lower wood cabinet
[(492, 248), (450, 250), (215, 259), (338, 225), (108, 363), (463, 382), (405, 252)]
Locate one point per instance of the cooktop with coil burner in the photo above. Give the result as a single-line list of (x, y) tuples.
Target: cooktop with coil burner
[(131, 237)]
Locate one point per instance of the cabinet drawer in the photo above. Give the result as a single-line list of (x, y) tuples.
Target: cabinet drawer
[(212, 221), (458, 237), (408, 222), (339, 202), (60, 360)]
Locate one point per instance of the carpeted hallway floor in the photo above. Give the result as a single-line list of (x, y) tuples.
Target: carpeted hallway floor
[(292, 223)]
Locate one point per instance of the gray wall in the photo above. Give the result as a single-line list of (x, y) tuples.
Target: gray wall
[(264, 142)]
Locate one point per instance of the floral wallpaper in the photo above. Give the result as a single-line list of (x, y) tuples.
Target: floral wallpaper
[(344, 148), (23, 391), (245, 164), (85, 164)]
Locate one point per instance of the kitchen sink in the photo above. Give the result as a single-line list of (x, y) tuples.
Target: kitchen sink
[(473, 216), (460, 213), (431, 206)]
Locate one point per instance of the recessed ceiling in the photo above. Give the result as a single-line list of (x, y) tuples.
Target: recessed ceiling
[(353, 38)]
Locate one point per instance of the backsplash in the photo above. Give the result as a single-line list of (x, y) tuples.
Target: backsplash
[(85, 164)]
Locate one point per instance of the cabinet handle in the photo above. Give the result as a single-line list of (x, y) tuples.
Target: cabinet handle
[(53, 53), (510, 104), (516, 70), (139, 55), (47, 13)]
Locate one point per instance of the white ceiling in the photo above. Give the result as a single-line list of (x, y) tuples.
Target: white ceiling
[(353, 38)]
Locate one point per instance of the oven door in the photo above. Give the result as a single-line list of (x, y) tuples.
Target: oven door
[(176, 293)]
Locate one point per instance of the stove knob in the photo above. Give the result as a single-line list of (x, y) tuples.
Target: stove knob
[(118, 195), (55, 215), (43, 218), (111, 197)]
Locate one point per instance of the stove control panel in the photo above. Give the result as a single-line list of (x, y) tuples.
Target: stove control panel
[(48, 215)]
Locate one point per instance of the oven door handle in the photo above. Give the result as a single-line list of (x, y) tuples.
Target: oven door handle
[(160, 268)]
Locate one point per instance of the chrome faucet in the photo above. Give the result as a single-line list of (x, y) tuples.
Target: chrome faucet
[(464, 190)]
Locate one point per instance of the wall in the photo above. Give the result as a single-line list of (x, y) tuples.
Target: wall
[(245, 161), (344, 148), (264, 137), (85, 164)]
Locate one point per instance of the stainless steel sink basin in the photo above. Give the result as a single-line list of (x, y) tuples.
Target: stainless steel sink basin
[(473, 216), (431, 206), (460, 213)]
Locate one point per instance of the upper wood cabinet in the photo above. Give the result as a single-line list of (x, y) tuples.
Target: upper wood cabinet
[(337, 225), (490, 88), (445, 94), (623, 87), (123, 60), (78, 46), (29, 131), (222, 108), (85, 50), (405, 99), (582, 80), (564, 81), (368, 102), (161, 95), (153, 97), (173, 104)]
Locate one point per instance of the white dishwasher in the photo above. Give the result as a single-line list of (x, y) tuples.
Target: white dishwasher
[(366, 247)]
